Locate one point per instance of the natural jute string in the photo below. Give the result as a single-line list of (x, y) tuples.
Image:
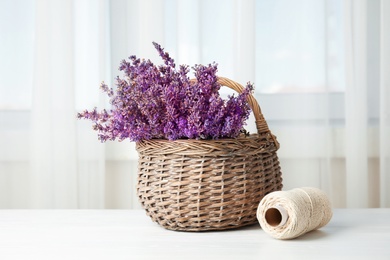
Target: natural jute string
[(290, 214)]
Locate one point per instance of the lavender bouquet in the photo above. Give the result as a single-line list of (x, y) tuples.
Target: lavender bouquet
[(161, 102)]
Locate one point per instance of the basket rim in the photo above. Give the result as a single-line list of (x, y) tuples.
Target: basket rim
[(252, 144)]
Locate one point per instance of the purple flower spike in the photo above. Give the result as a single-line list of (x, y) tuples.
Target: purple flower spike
[(160, 102)]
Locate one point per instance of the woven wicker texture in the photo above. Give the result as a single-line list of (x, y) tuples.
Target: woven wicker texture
[(200, 185)]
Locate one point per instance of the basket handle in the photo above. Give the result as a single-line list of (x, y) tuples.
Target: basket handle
[(261, 124)]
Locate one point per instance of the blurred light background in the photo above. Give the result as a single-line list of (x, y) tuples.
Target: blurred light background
[(321, 71)]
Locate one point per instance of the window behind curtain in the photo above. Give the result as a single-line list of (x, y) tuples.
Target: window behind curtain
[(299, 46), (16, 52)]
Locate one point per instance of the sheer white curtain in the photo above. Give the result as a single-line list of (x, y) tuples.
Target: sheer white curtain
[(69, 57), (320, 70), (366, 102), (384, 137)]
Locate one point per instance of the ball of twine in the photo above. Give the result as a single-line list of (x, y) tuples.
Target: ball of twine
[(290, 214)]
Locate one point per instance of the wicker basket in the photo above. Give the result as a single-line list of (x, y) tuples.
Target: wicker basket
[(200, 185)]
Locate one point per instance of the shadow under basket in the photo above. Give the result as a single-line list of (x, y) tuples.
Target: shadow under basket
[(202, 185)]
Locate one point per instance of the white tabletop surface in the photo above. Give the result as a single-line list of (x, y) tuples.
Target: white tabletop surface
[(130, 234)]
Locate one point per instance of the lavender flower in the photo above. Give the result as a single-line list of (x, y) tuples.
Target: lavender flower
[(161, 102)]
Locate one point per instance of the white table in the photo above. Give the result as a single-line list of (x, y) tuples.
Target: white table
[(130, 234)]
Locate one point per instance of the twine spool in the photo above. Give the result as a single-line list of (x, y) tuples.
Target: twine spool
[(290, 214)]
